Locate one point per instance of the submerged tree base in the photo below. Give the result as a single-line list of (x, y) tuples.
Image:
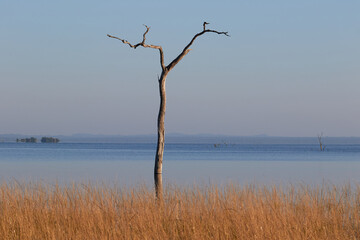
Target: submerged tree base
[(84, 211)]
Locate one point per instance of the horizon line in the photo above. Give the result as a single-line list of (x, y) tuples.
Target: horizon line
[(171, 134)]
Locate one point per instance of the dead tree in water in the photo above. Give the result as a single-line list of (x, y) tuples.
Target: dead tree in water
[(320, 140), (165, 71)]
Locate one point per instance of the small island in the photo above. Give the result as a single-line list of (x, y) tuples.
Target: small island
[(49, 140)]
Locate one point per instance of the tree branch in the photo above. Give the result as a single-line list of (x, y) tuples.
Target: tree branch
[(144, 45), (186, 50)]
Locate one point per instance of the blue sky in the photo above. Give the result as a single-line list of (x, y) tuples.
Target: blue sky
[(290, 68)]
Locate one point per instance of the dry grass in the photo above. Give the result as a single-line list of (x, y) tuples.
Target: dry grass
[(38, 211)]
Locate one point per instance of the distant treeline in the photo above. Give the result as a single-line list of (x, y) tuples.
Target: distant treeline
[(34, 140)]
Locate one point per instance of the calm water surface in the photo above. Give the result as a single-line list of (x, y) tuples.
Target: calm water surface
[(184, 164)]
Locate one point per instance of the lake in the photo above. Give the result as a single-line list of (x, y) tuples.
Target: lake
[(131, 164)]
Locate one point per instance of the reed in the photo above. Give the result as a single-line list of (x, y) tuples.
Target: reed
[(87, 211)]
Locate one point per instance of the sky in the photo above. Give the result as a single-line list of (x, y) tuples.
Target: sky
[(290, 68)]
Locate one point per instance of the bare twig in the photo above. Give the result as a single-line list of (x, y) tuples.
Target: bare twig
[(204, 25), (142, 43)]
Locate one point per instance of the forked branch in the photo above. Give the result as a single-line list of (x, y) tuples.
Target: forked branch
[(185, 51), (143, 44)]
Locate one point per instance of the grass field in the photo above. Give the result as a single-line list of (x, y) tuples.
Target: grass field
[(85, 211)]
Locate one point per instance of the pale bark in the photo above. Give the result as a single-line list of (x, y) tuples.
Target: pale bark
[(162, 108), (161, 125), (158, 187)]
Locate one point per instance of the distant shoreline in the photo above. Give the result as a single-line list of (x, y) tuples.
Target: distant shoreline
[(187, 139)]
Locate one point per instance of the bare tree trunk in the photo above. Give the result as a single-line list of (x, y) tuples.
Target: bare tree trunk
[(158, 187), (161, 136), (161, 125)]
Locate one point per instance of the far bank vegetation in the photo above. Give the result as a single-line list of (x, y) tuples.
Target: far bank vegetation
[(34, 140), (27, 140)]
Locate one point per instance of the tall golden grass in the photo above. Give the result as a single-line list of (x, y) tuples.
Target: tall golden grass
[(86, 211)]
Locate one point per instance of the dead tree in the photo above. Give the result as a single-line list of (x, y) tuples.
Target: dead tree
[(320, 140), (164, 73)]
